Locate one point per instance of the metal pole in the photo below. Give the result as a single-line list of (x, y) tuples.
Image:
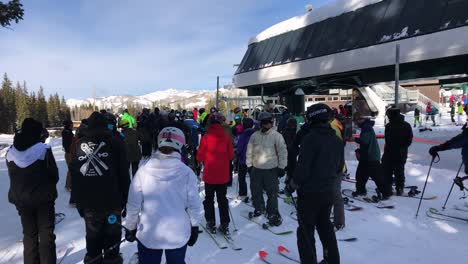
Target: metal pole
[(217, 92), (397, 74), (453, 184)]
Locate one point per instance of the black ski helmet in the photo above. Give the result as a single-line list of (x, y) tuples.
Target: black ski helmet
[(247, 123), (319, 113), (265, 116)]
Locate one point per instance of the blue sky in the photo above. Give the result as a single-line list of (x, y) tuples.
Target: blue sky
[(134, 47)]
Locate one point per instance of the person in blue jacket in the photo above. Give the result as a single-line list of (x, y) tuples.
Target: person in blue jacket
[(241, 150), (195, 130)]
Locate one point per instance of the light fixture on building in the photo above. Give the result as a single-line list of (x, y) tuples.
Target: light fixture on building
[(299, 91)]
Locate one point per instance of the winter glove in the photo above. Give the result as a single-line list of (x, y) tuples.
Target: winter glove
[(280, 172), (130, 235), (434, 150), (193, 236)]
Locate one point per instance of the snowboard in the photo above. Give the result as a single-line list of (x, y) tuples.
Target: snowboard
[(365, 199), (262, 222)]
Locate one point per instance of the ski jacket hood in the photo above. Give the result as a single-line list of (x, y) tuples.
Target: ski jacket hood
[(27, 157), (162, 166)]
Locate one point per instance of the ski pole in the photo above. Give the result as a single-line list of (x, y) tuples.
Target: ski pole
[(232, 219), (453, 184), (116, 245), (427, 178)]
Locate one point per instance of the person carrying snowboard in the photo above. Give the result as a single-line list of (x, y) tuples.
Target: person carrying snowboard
[(216, 153), (319, 168), (247, 124), (163, 204), (369, 159), (398, 138), (266, 158), (33, 178), (100, 180)]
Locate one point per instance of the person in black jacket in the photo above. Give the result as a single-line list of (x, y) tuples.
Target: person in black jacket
[(67, 137), (100, 180), (33, 179), (398, 138), (319, 168)]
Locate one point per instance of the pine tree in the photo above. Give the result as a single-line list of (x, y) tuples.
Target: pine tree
[(22, 103), (33, 105), (41, 108), (52, 111), (65, 113), (2, 115), (7, 93)]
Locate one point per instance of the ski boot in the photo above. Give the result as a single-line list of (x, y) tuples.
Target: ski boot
[(256, 213), (211, 227), (224, 229), (275, 220), (413, 192), (459, 182), (359, 193), (399, 191)]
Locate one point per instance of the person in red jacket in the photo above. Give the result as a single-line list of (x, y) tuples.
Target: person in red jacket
[(216, 153), (195, 114)]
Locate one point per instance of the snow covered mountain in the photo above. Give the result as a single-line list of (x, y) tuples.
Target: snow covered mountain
[(169, 97)]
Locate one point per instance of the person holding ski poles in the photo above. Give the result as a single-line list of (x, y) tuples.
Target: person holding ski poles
[(163, 206), (319, 168), (33, 179), (459, 141)]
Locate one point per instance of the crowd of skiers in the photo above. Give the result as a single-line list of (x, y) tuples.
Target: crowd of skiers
[(107, 176)]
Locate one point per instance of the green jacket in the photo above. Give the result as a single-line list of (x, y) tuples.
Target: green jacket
[(130, 119), (202, 117), (368, 145)]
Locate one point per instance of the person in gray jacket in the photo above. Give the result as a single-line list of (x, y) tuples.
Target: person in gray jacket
[(266, 159)]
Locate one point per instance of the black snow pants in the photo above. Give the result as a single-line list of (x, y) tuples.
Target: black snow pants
[(241, 179), (394, 166), (370, 169), (38, 233), (220, 190), (314, 213), (100, 235)]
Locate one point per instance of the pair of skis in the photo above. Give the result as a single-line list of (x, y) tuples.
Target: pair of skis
[(228, 240), (261, 221), (365, 199)]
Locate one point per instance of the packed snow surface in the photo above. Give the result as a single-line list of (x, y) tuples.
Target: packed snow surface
[(385, 236)]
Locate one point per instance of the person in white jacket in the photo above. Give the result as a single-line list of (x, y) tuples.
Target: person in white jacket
[(163, 205)]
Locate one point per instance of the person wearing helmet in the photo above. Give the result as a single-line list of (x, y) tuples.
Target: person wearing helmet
[(67, 137), (318, 170), (216, 153), (163, 203), (241, 150), (266, 158), (431, 111), (145, 132), (368, 156), (100, 181), (132, 145), (195, 130)]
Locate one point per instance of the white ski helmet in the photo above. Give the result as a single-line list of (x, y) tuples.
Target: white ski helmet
[(171, 137)]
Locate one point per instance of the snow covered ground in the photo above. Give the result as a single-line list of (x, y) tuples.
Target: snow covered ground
[(384, 235)]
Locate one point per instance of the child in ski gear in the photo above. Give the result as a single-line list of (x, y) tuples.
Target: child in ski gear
[(33, 179), (67, 136), (417, 118), (460, 113), (452, 113), (338, 204), (319, 168), (369, 159), (431, 111), (398, 138), (216, 153), (100, 180), (132, 145), (163, 204), (241, 151), (266, 158)]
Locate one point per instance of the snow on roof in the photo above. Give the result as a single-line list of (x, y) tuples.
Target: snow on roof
[(332, 10)]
